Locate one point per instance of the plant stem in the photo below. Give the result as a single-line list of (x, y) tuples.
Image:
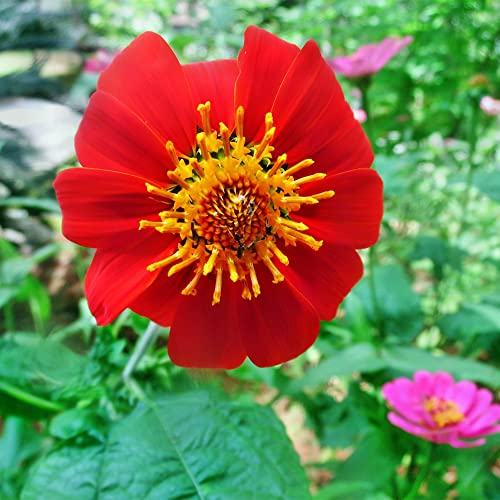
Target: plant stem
[(470, 165), (422, 475), (148, 338), (28, 398), (379, 317), (364, 85)]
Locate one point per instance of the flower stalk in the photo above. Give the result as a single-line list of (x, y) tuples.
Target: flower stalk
[(147, 339)]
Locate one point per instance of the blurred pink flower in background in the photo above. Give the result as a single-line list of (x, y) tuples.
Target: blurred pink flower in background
[(490, 105), (438, 409), (369, 59), (360, 115), (99, 61)]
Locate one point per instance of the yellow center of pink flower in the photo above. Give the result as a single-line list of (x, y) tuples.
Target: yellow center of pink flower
[(231, 203), (443, 412)]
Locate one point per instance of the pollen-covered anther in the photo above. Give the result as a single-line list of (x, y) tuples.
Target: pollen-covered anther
[(231, 205), (443, 412)]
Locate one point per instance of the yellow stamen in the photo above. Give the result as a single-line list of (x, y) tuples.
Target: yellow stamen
[(279, 163), (224, 133), (233, 273), (160, 192), (171, 214), (325, 195), (231, 204), (309, 178), (279, 254), (169, 146), (263, 148), (299, 166), (304, 238), (190, 289), (150, 223), (240, 113), (165, 262), (204, 110), (299, 226), (201, 139), (269, 121), (208, 267), (178, 180), (218, 285), (181, 265), (197, 168), (443, 412), (253, 277), (306, 200)]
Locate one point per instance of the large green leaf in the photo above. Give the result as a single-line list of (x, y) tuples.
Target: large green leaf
[(359, 358), (411, 359), (190, 445), (399, 305)]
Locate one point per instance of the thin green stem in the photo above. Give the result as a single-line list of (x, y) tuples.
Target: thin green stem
[(147, 339), (379, 317), (10, 322), (28, 398), (422, 475), (470, 165), (364, 85)]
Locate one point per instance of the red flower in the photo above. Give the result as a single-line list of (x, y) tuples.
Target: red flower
[(249, 180)]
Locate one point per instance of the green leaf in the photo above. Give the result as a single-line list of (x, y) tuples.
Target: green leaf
[(399, 304), (374, 459), (45, 204), (31, 369), (410, 359), (439, 251), (345, 490), (471, 320), (190, 445), (395, 172), (361, 358), (488, 183), (18, 442)]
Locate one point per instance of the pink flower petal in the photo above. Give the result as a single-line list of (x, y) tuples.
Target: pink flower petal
[(462, 394)]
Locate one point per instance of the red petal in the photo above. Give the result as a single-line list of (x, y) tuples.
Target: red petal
[(325, 276), (263, 61), (112, 137), (352, 217), (148, 78), (206, 336), (159, 301), (116, 277), (103, 208), (313, 120), (214, 81), (277, 326), (346, 149)]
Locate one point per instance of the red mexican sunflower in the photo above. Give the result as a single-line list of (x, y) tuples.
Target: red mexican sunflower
[(225, 199)]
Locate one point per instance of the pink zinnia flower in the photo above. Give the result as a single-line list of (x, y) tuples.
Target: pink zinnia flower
[(99, 61), (434, 407), (369, 59), (490, 105)]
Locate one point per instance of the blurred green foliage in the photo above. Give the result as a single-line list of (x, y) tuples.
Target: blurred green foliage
[(433, 303)]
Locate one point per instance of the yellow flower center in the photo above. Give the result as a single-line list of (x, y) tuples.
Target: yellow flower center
[(443, 412), (231, 203)]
